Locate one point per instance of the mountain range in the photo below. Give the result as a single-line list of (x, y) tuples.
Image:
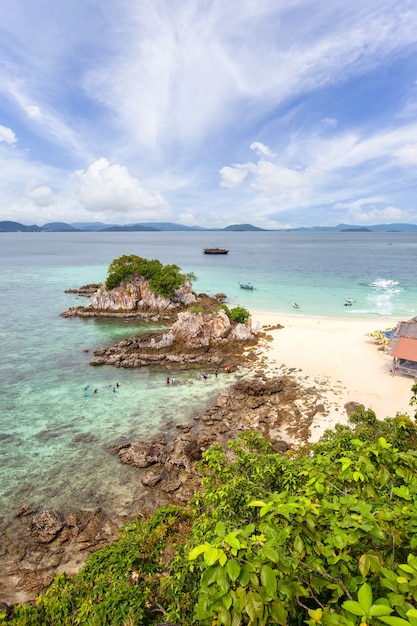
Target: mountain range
[(9, 226)]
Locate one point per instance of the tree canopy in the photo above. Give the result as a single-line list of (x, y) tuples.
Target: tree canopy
[(164, 279)]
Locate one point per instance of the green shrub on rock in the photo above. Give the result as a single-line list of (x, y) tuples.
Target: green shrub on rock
[(164, 279)]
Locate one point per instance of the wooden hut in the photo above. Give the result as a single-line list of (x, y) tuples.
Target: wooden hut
[(403, 347)]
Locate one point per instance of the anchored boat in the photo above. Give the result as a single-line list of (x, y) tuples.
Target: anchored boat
[(246, 286), (215, 251)]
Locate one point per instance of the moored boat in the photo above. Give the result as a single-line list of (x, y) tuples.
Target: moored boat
[(215, 251), (246, 286)]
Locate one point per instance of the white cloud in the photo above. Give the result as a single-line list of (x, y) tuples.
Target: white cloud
[(233, 176), (7, 135), (261, 149), (109, 188), (274, 179), (407, 154), (41, 196), (375, 215)]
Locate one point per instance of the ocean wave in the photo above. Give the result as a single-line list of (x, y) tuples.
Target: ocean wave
[(384, 283)]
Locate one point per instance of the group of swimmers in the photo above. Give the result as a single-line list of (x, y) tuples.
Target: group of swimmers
[(95, 392)]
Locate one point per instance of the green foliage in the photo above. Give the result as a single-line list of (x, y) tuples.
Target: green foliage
[(325, 536), (118, 585), (237, 314), (164, 279)]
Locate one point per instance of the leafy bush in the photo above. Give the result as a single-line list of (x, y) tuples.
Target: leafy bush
[(325, 536), (164, 279), (237, 314)]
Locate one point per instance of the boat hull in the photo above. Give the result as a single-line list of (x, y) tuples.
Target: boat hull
[(215, 251)]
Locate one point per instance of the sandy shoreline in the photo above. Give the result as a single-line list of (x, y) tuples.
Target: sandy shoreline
[(335, 355)]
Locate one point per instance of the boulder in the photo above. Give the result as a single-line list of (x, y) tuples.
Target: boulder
[(46, 526)]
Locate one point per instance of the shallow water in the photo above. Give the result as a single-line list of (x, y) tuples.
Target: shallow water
[(45, 408)]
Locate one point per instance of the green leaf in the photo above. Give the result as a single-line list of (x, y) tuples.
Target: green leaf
[(210, 575), (298, 545), (402, 492), (365, 597), (340, 540), (391, 620), (364, 565), (377, 610), (353, 607), (346, 462), (269, 581), (254, 606), (269, 554), (278, 613), (211, 555), (233, 541), (220, 529), (195, 552), (233, 569), (258, 503)]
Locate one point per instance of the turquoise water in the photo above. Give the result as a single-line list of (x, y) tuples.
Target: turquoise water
[(44, 406)]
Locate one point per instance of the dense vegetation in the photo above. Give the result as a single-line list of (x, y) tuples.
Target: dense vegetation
[(321, 536), (237, 314), (164, 279)]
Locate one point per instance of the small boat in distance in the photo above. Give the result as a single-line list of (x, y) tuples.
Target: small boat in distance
[(246, 286), (215, 251), (296, 306)]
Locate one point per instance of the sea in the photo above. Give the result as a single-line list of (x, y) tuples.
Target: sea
[(56, 435)]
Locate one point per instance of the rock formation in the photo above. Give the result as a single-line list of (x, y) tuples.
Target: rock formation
[(194, 339), (280, 409), (135, 299), (49, 543)]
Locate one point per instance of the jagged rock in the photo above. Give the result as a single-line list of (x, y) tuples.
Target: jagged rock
[(153, 477), (24, 510), (135, 298), (144, 453), (194, 339), (46, 526)]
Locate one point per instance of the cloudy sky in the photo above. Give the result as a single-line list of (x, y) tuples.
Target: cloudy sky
[(278, 113)]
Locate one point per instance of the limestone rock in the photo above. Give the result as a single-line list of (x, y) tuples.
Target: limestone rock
[(46, 525), (135, 298), (144, 453)]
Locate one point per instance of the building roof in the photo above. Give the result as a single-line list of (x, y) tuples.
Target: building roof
[(406, 348), (404, 330)]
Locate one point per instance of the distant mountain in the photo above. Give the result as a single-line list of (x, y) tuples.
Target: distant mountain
[(16, 227), (376, 228), (91, 225), (170, 226), (8, 226), (129, 228), (59, 227), (243, 228)]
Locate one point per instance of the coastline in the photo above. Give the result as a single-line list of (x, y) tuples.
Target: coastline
[(335, 355)]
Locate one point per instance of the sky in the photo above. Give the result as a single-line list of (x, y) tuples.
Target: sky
[(276, 113)]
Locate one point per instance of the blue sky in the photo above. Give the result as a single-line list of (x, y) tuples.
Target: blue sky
[(278, 113)]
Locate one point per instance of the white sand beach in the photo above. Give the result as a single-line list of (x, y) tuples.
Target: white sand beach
[(336, 356)]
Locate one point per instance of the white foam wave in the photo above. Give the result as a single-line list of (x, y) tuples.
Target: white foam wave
[(384, 283)]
